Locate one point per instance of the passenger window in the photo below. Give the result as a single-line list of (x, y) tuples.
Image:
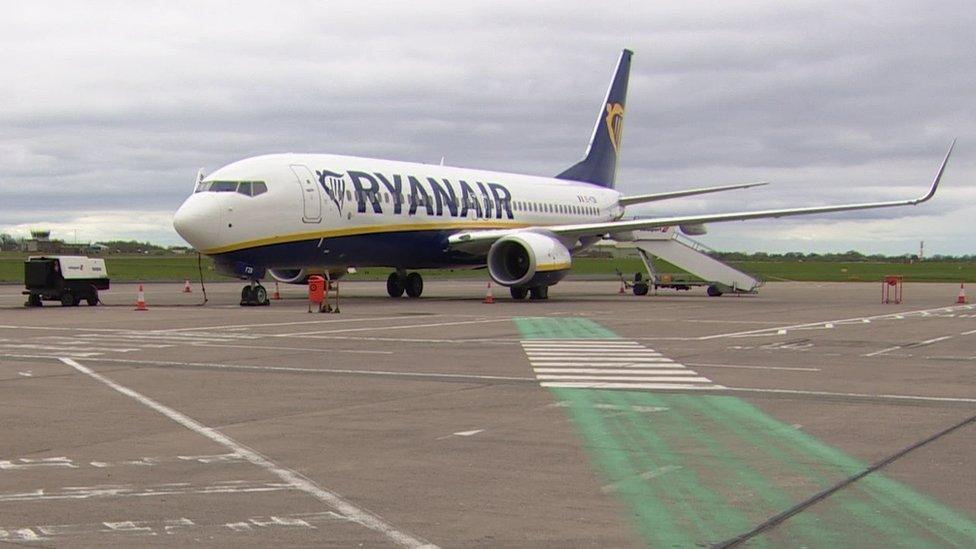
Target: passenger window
[(258, 187)]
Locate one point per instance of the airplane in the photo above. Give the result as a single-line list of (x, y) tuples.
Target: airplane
[(293, 215)]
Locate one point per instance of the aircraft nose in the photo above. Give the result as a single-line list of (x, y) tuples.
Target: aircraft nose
[(198, 221)]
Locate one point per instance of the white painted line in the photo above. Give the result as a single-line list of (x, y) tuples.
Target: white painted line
[(628, 364), (639, 409), (612, 354), (164, 363), (883, 351), (386, 328), (297, 323), (930, 341), (606, 385), (857, 395), (468, 433), (655, 379), (275, 348), (297, 481), (970, 332), (782, 330), (612, 371), (601, 359), (746, 367)]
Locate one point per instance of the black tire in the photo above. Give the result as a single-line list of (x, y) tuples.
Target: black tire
[(92, 297), (394, 285), (713, 291), (68, 299), (539, 293), (518, 292), (34, 300), (260, 295), (414, 285), (246, 298), (640, 288)]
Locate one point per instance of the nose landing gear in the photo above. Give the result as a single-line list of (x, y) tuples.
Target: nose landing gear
[(254, 294)]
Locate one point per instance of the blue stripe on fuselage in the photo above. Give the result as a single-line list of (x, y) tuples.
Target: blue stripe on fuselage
[(406, 250)]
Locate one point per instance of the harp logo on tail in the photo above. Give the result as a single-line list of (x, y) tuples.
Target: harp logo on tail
[(615, 122)]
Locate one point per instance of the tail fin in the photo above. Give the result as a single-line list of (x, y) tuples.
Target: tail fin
[(599, 166)]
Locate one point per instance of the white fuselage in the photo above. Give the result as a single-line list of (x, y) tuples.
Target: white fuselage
[(314, 201)]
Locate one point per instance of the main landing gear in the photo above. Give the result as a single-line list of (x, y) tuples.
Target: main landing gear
[(254, 294), (399, 282), (535, 293)]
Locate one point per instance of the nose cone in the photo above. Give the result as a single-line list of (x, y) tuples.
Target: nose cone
[(198, 221)]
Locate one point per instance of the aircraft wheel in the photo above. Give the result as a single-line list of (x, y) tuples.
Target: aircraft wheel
[(640, 288), (260, 295), (246, 297), (414, 285), (539, 293), (518, 292), (713, 291), (394, 285)]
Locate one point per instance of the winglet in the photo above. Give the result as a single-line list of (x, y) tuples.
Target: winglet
[(938, 176)]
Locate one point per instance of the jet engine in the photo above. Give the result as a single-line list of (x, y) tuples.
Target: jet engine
[(300, 276), (528, 259), (290, 276)]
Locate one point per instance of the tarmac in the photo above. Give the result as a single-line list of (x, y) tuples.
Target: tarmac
[(590, 419)]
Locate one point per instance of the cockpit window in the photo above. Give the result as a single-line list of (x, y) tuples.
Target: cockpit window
[(247, 188), (222, 186)]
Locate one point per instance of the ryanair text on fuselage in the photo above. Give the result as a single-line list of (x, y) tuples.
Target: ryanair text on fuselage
[(439, 197)]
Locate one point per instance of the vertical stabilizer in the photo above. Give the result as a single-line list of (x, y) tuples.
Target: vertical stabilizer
[(599, 166)]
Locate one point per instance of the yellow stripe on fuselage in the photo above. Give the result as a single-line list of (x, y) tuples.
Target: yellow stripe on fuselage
[(362, 230)]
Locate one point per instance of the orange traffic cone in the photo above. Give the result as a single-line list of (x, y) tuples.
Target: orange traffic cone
[(488, 297), (962, 294), (276, 294), (141, 300), (186, 287)]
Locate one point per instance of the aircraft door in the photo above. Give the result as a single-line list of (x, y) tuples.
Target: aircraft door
[(311, 195)]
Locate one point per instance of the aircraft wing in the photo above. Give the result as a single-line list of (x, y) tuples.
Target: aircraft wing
[(569, 234), (642, 198)]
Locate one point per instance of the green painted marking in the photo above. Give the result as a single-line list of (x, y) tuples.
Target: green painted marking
[(562, 328), (709, 467)]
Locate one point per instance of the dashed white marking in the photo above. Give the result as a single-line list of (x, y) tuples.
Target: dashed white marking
[(28, 373), (883, 351), (170, 526), (27, 463), (751, 367), (616, 407), (583, 363), (468, 433), (654, 473), (293, 479), (128, 490)]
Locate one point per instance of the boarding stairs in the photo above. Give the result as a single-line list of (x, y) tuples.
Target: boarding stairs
[(690, 255)]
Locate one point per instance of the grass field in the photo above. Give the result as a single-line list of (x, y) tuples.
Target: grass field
[(178, 268)]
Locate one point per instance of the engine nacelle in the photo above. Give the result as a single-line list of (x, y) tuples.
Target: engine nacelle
[(290, 276), (695, 229), (528, 259), (300, 276)]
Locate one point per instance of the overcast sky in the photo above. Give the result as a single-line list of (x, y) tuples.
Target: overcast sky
[(107, 109)]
